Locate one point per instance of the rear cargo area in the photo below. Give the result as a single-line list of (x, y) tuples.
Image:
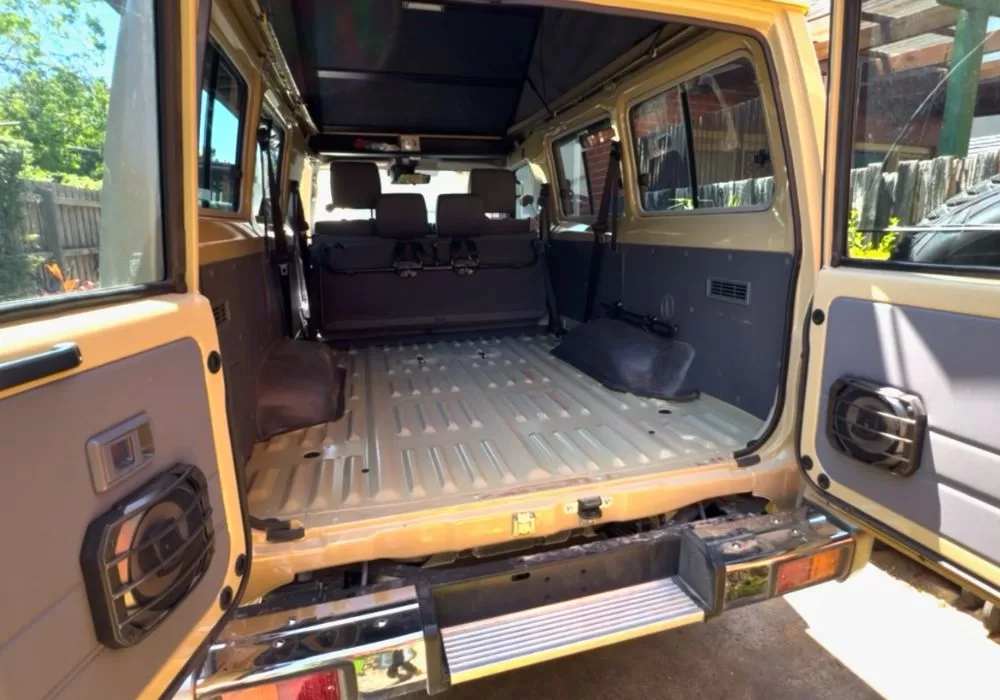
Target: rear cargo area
[(434, 422)]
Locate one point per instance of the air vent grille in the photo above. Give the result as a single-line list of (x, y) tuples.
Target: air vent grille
[(733, 291), (221, 312)]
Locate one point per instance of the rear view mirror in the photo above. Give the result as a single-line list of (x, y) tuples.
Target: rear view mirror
[(411, 179)]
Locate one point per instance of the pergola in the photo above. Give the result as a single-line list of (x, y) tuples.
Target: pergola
[(900, 36)]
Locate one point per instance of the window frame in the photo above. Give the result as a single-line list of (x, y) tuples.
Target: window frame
[(585, 124), (653, 92), (169, 93), (243, 117)]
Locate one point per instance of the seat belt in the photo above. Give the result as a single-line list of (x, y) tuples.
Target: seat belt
[(545, 232), (608, 212), (300, 226), (281, 258)]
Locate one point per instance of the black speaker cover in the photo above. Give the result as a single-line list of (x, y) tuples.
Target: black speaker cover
[(144, 555), (877, 425)]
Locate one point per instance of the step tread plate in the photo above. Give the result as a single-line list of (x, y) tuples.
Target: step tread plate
[(485, 647)]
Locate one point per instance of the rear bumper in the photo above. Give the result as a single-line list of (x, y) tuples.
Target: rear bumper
[(429, 629)]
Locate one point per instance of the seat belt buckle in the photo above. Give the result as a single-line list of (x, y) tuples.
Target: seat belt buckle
[(283, 269)]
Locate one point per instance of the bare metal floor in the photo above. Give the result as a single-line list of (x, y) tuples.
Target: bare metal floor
[(433, 424)]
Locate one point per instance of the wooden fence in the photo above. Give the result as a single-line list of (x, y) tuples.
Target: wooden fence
[(63, 224), (915, 188)]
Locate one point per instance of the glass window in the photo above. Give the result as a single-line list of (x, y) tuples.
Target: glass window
[(719, 117), (582, 164), (527, 186), (79, 149), (223, 99), (923, 185), (260, 199), (661, 151), (441, 182)]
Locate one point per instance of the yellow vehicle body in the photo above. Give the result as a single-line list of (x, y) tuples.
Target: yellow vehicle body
[(178, 355)]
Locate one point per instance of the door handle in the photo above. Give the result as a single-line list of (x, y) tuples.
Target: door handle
[(61, 357)]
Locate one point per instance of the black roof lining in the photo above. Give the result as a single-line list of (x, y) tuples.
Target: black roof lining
[(468, 69)]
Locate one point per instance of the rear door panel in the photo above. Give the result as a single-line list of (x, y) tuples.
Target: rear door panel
[(940, 351), (148, 354), (929, 327), (148, 357)]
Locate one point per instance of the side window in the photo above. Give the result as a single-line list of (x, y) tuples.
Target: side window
[(261, 193), (223, 109), (527, 186), (923, 185), (715, 122), (582, 164), (79, 149)]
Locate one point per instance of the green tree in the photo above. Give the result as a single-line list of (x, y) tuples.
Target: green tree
[(70, 32), (48, 97), (64, 116)]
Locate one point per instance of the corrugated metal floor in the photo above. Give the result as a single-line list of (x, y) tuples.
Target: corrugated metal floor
[(432, 424)]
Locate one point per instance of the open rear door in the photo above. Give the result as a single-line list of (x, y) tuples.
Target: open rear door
[(123, 536), (902, 393)]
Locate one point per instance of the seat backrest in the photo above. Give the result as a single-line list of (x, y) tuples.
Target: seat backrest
[(498, 190), (353, 185), (460, 216), (401, 216)]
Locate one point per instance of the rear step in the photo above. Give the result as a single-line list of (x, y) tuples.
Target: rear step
[(418, 628), (489, 646)]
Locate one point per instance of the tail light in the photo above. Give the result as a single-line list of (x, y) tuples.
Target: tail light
[(318, 686)]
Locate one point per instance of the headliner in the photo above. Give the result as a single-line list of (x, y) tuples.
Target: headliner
[(468, 69)]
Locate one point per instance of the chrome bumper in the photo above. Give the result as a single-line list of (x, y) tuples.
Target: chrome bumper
[(375, 640), (386, 643)]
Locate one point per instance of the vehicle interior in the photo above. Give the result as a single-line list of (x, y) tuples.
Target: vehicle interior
[(529, 250)]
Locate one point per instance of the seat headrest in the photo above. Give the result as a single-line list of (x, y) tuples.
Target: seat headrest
[(498, 188), (401, 216), (354, 184), (460, 215)]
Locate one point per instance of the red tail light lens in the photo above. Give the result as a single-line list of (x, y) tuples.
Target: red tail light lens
[(318, 686)]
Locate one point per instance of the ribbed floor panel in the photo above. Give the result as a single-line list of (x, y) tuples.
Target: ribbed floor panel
[(519, 639), (433, 424)]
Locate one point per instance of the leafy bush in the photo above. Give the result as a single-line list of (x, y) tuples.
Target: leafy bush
[(18, 257), (859, 245)]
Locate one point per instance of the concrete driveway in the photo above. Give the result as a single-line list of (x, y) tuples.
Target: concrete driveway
[(891, 631)]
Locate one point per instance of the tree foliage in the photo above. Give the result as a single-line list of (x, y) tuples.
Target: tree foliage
[(48, 97), (64, 116)]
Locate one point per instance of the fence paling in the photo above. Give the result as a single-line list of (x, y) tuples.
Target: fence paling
[(915, 188), (66, 221)]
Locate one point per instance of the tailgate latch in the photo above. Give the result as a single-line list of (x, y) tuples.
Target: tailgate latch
[(589, 508)]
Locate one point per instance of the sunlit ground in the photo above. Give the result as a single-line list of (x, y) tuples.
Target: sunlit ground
[(903, 642)]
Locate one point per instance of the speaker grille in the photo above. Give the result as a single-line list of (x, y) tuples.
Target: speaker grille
[(877, 425), (142, 557)]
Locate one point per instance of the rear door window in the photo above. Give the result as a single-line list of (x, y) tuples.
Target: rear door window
[(582, 165), (80, 181), (223, 108), (716, 120)]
